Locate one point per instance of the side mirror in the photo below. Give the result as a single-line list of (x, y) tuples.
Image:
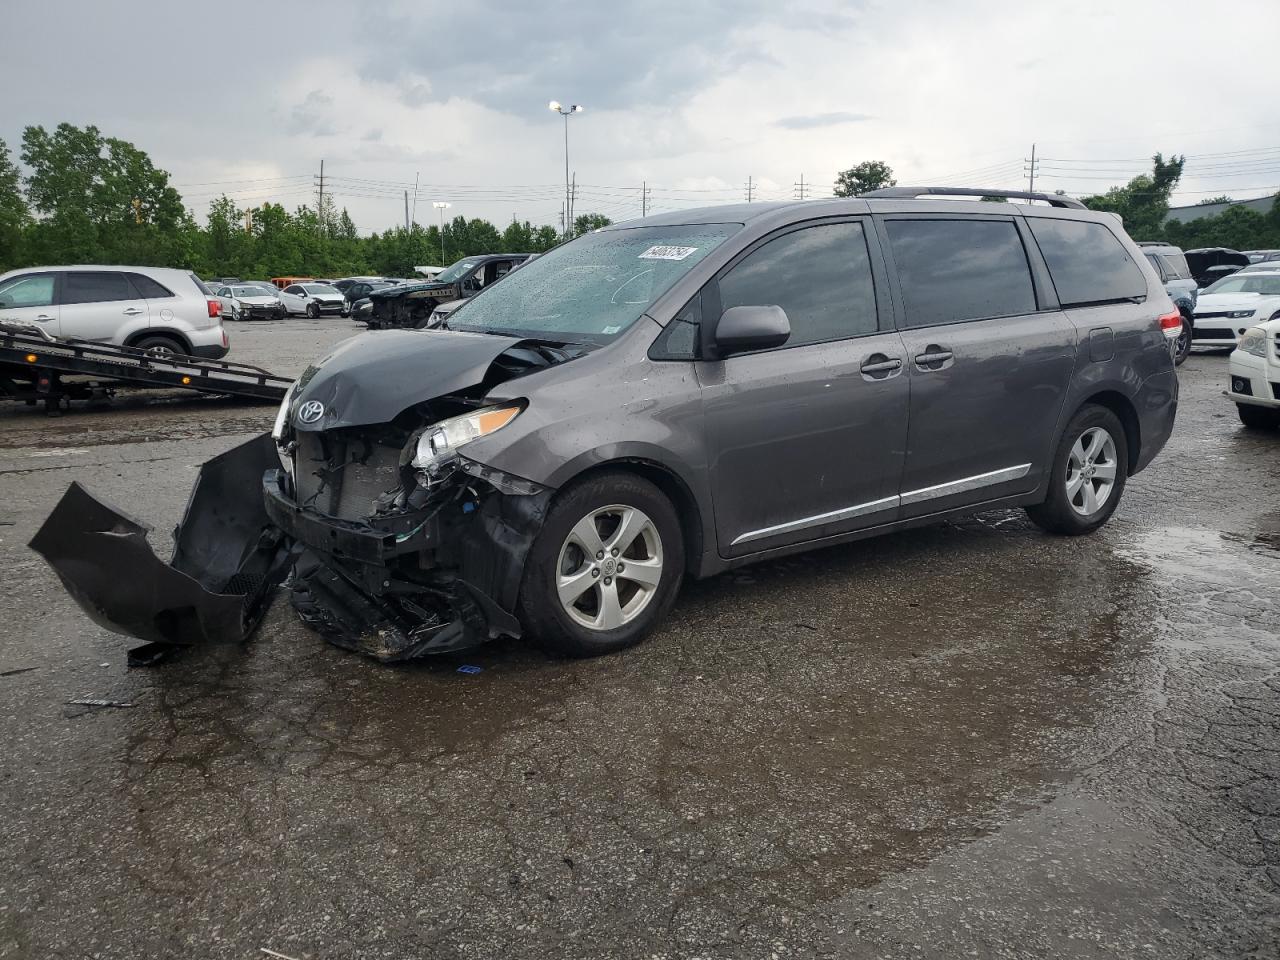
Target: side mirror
[(752, 328)]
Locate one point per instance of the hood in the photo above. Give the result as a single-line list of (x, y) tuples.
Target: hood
[(427, 289), (374, 376), (1216, 302)]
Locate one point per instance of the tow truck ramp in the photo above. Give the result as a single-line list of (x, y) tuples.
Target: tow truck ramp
[(33, 365)]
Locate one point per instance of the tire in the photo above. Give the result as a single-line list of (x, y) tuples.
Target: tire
[(160, 346), (602, 504), (313, 311), (1258, 418), (1182, 349), (1065, 509)]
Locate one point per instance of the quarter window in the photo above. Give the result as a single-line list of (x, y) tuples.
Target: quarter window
[(96, 287), (821, 277), (1088, 264), (149, 288), (953, 270), (31, 290)]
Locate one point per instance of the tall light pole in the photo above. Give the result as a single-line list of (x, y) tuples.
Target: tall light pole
[(568, 202), (442, 207)]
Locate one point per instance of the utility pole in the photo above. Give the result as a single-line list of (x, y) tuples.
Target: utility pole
[(750, 188), (644, 198), (406, 211), (248, 221), (573, 197), (801, 188), (320, 201), (1031, 171)]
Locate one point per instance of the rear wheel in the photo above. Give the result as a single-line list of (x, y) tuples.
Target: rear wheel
[(1088, 475), (1182, 347), (605, 568), (161, 346), (1258, 418)]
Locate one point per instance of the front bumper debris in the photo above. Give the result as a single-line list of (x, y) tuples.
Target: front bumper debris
[(441, 577), (227, 559)]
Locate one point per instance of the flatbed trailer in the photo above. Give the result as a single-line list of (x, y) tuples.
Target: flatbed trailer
[(33, 365)]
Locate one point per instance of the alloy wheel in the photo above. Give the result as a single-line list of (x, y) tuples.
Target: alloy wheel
[(1091, 471), (609, 567)]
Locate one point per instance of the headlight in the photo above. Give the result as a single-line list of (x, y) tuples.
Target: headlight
[(1254, 341), (1239, 314), (282, 417), (443, 438)]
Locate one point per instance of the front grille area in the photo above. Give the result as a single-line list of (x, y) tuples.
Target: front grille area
[(366, 470), (1198, 333)]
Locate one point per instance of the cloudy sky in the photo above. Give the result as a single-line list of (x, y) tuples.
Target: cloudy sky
[(246, 98)]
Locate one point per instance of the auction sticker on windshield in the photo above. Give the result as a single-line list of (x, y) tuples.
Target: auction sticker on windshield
[(667, 253)]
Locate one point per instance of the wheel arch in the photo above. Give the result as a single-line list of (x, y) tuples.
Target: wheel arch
[(1127, 414), (176, 336), (673, 486)]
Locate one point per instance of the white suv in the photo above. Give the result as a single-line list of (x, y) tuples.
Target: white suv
[(154, 308)]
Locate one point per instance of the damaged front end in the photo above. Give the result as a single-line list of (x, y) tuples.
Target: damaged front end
[(399, 544), (399, 563)]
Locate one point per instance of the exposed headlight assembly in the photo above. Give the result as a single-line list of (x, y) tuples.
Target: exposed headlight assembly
[(282, 417), (1239, 314), (440, 440), (1254, 341)]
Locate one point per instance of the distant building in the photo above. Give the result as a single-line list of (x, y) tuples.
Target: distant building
[(1183, 214)]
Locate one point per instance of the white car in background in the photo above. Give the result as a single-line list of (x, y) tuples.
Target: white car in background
[(1255, 376), (311, 299), (241, 301), (161, 310), (1229, 307)]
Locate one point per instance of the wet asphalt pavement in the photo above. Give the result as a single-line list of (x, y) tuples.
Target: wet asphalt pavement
[(970, 740)]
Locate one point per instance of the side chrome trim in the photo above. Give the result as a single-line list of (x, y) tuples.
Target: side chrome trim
[(835, 515), (966, 484)]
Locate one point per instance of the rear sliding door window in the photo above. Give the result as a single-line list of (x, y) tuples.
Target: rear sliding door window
[(1087, 262), (821, 277), (952, 270)]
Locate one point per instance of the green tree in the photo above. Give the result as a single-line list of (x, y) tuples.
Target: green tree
[(1143, 203), (1210, 200), (865, 177), (14, 215), (588, 222)]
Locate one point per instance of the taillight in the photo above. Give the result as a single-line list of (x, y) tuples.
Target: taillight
[(1171, 324), (215, 307)]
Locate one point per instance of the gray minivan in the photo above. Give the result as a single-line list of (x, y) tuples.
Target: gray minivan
[(696, 391)]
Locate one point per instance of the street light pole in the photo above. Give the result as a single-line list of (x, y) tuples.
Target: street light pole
[(568, 202), (442, 207)]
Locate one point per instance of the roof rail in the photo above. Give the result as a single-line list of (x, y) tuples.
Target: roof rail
[(910, 193)]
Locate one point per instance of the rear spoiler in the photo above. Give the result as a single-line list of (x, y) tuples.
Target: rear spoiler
[(912, 193)]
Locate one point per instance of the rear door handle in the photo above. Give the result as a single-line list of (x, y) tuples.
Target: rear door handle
[(933, 358), (44, 318), (880, 366), (133, 312)]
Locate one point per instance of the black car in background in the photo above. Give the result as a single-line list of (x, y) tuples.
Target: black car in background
[(1211, 264), (411, 304)]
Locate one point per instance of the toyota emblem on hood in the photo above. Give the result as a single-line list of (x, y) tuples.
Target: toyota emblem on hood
[(311, 411)]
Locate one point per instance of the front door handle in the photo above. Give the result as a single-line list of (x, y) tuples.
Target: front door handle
[(44, 318), (880, 366), (133, 312), (933, 358)]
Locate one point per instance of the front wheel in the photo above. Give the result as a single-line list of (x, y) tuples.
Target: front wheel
[(1088, 474), (313, 311), (605, 568), (1258, 418)]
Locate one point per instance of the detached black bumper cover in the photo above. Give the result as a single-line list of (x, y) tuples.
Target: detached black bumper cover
[(227, 560)]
